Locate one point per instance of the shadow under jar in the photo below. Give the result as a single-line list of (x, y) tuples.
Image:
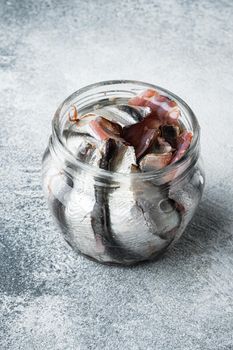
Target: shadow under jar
[(114, 217)]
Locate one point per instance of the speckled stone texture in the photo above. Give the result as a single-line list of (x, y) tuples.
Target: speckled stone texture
[(49, 297)]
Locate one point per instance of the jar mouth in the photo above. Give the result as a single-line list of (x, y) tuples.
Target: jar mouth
[(132, 88)]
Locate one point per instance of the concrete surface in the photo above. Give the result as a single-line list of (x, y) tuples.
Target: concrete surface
[(49, 297)]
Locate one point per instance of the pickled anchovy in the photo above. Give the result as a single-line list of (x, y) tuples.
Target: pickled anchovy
[(162, 146), (144, 220), (97, 139), (152, 161), (140, 136), (85, 148), (124, 160), (162, 107), (76, 142), (90, 150), (131, 224), (148, 123), (98, 127), (184, 141), (170, 133), (123, 114), (104, 129), (101, 214), (158, 210), (56, 186), (186, 198), (78, 210)]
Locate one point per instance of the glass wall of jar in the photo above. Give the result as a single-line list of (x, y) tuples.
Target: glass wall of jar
[(114, 217)]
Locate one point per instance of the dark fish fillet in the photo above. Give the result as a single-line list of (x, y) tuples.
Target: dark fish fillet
[(135, 114), (100, 216), (170, 134)]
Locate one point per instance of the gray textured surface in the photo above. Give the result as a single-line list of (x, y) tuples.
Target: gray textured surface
[(49, 297)]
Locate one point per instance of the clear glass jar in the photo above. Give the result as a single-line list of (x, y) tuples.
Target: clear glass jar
[(113, 217)]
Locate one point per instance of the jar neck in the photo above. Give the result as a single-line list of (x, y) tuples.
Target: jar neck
[(73, 167), (109, 91)]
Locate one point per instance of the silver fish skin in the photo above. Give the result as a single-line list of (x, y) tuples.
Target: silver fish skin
[(139, 220), (71, 203), (159, 210), (90, 150), (132, 229), (85, 147), (187, 195), (78, 218), (124, 160), (82, 128), (123, 114)]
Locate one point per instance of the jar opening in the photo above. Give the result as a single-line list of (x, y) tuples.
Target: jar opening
[(109, 91)]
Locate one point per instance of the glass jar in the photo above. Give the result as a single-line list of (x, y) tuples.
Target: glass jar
[(114, 217)]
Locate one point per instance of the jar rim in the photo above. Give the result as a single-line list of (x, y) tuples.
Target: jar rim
[(154, 174)]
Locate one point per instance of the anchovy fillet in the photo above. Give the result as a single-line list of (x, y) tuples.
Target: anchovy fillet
[(101, 216)]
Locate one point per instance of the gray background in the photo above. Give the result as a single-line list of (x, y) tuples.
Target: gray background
[(49, 297)]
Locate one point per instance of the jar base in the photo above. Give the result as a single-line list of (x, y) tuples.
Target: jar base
[(123, 263)]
